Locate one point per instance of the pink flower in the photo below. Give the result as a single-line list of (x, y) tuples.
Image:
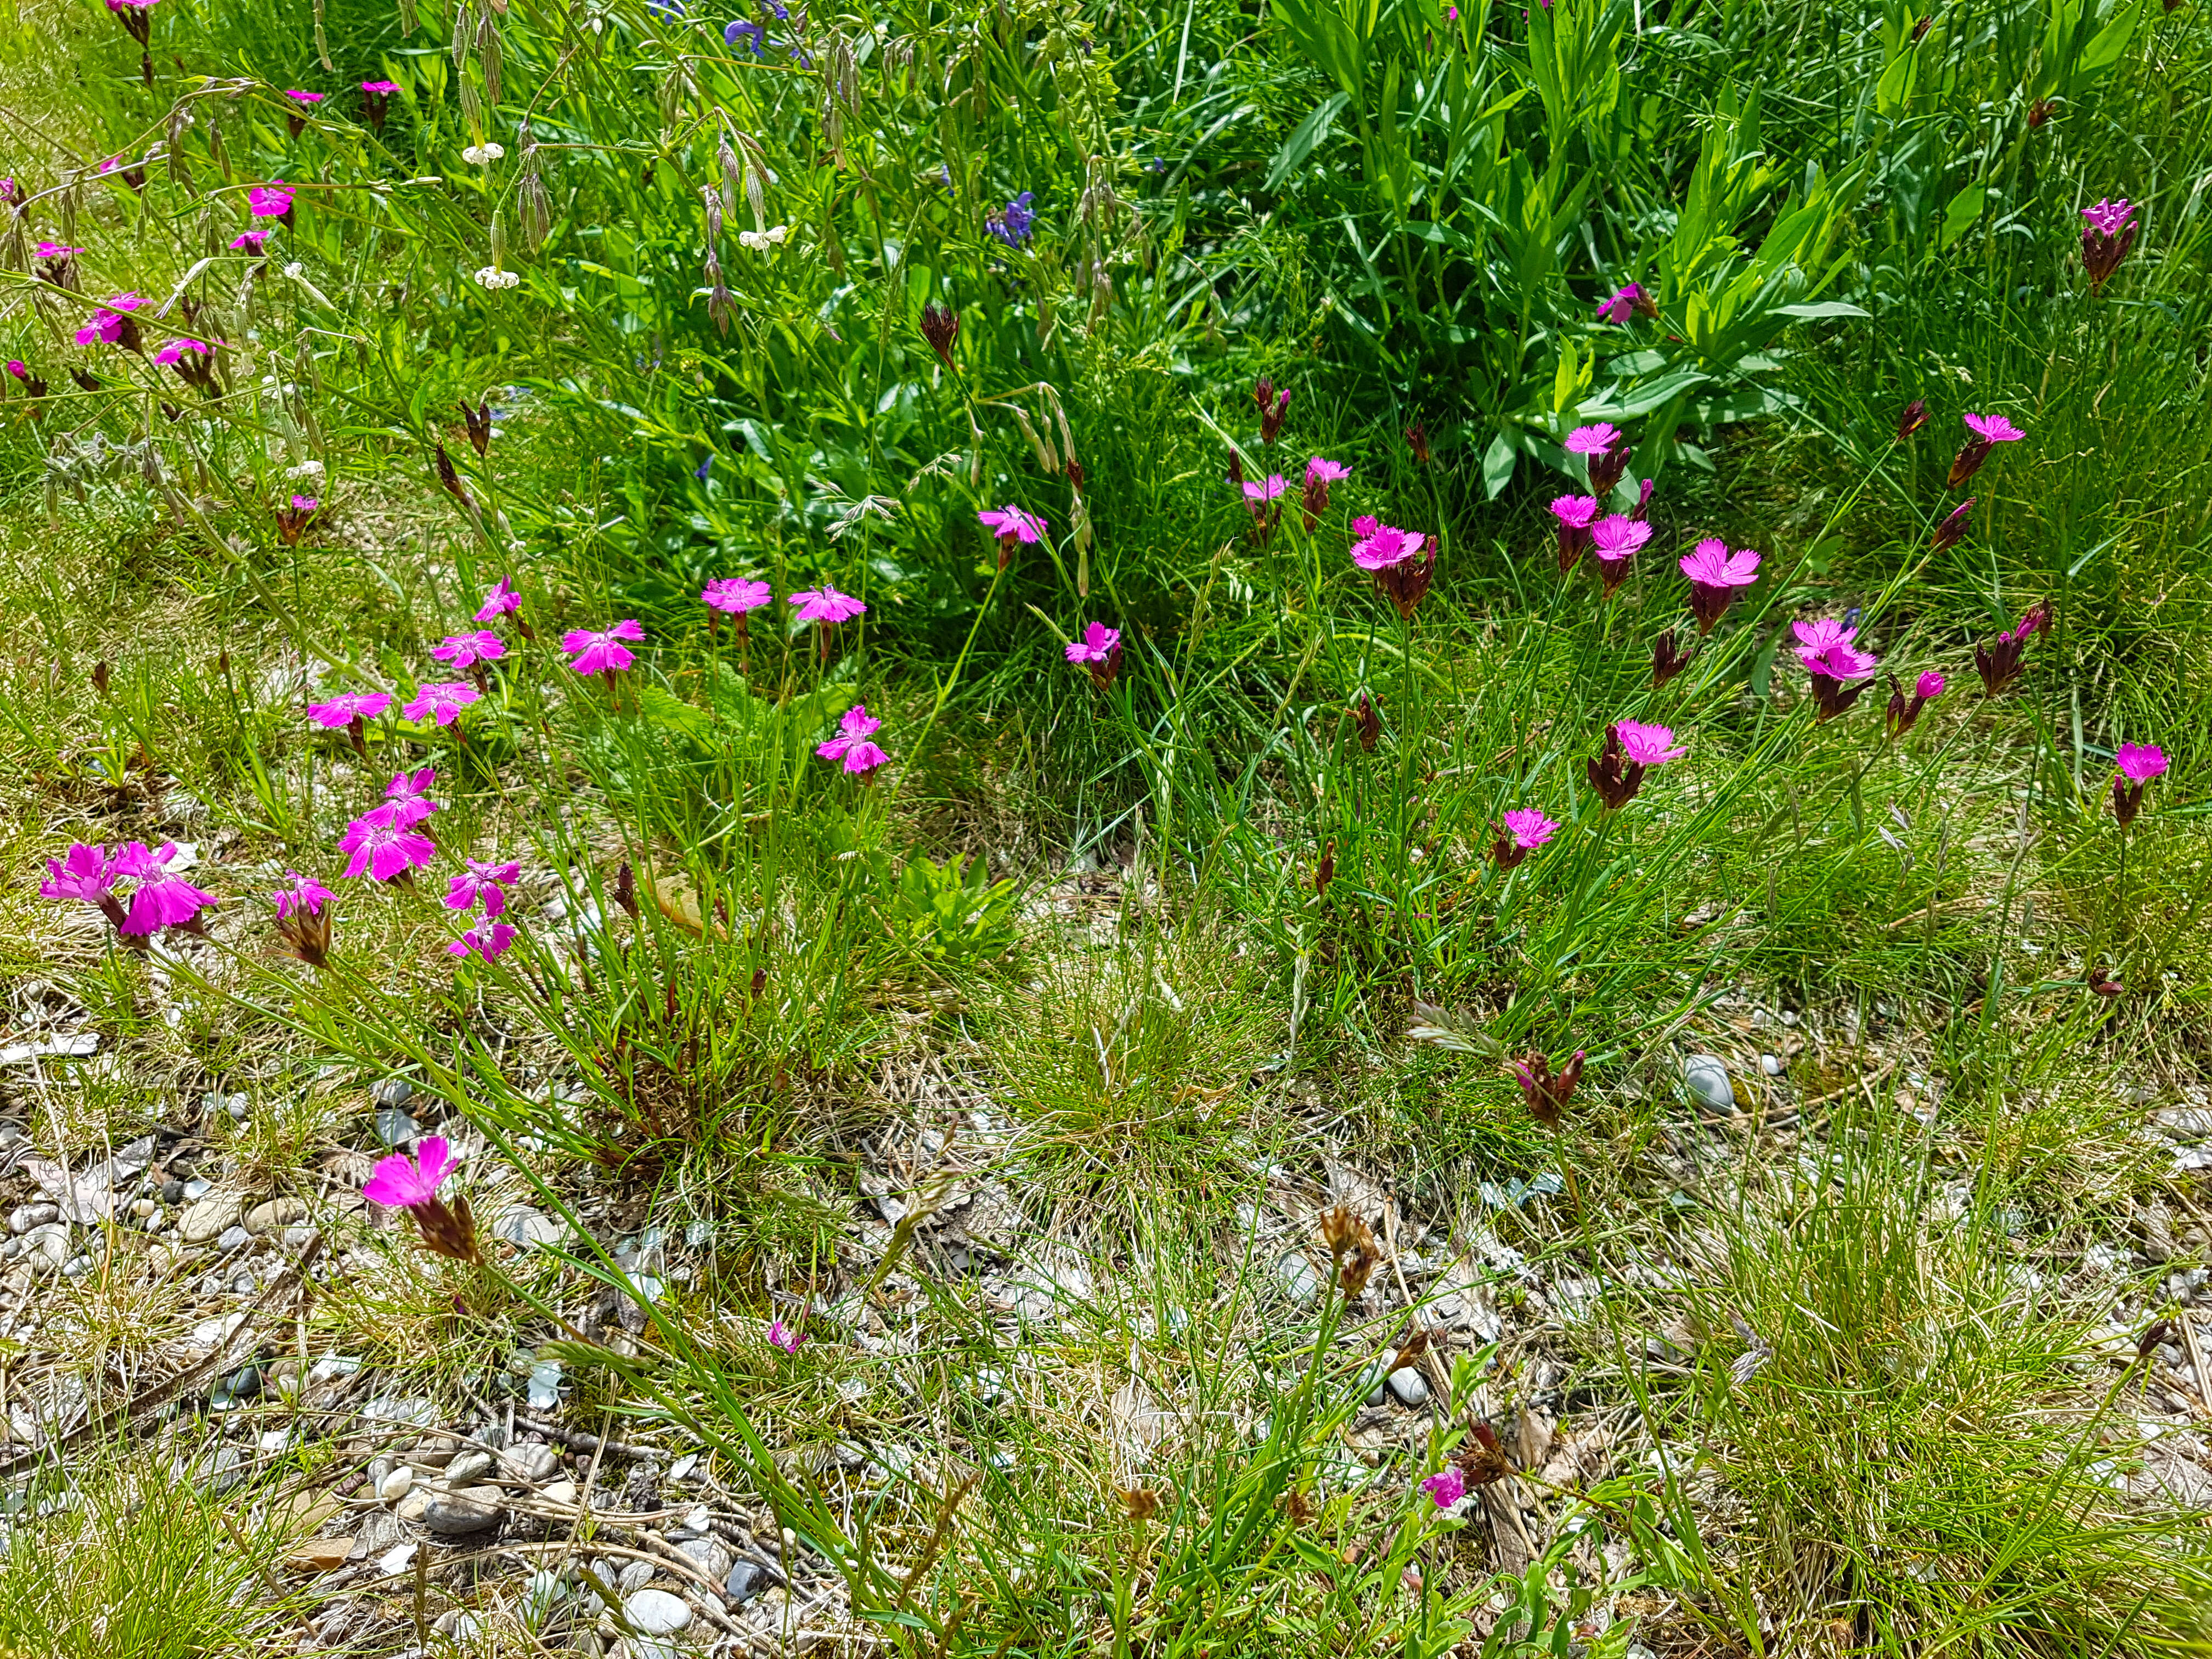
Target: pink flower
[(1324, 472), (463, 650), (1575, 512), (1929, 686), (602, 653), (15, 368), (1098, 644), (402, 1183), (382, 847), (348, 707), (305, 894), (108, 324), (2109, 218), (1647, 746), (252, 242), (407, 798), (484, 942), (306, 97), (483, 881), (1383, 545), (780, 1335), (309, 504), (1618, 537), (826, 604), (1364, 526), (162, 900), (499, 602), (379, 89), (1627, 300), (1529, 829), (1010, 524), (270, 201), (1841, 662), (1815, 637), (440, 700), (2140, 763), (1993, 429), (1715, 573), (1833, 669), (1593, 439), (54, 251), (735, 594), (84, 874), (851, 745), (1447, 1486), (1259, 492)]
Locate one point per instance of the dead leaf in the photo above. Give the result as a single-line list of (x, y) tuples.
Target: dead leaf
[(319, 1555)]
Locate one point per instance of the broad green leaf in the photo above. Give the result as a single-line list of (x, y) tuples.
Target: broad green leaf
[(1959, 216), (1300, 144), (1497, 462)]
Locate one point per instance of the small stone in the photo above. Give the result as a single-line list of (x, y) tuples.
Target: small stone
[(1708, 1080), (468, 1467), (712, 1554), (533, 1463), (634, 1576), (747, 1579), (411, 1507), (1789, 1017), (1770, 1063), (472, 1509), (25, 1216), (237, 1389), (388, 1408), (394, 1128), (542, 1596), (232, 1238), (656, 1612), (561, 1492), (203, 1218), (144, 1208), (392, 1092), (395, 1485), (525, 1226), (276, 1213), (1410, 1387), (1297, 1278), (47, 1248), (1376, 1395), (172, 1191)]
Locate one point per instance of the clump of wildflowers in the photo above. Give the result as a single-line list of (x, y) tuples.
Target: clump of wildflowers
[(2139, 763), (1901, 715), (1988, 431), (1999, 663), (1099, 651), (602, 651), (1576, 514), (88, 874), (851, 745), (1617, 538), (1400, 560), (385, 841), (1631, 748), (1522, 831), (411, 1184), (2108, 232), (1714, 574), (303, 918)]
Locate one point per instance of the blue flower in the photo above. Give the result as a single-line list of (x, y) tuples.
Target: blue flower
[(753, 34), (704, 467), (1013, 226), (666, 9)]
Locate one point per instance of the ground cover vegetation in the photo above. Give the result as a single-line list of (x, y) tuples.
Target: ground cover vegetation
[(980, 830)]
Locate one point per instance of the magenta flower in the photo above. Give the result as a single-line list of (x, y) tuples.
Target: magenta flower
[(162, 900), (2108, 232), (602, 653), (735, 595), (464, 650), (780, 1335), (1529, 829), (1993, 429), (442, 701), (1320, 470), (1383, 545), (1616, 539), (270, 201), (1815, 637), (1715, 573), (1099, 650), (1010, 524), (502, 600), (1647, 746), (383, 847), (54, 251), (1447, 1486), (305, 894), (111, 322), (1604, 450), (306, 504), (1575, 514), (1593, 439), (84, 874), (1627, 300), (1840, 673), (485, 942), (252, 242), (407, 798), (1989, 430), (1320, 473), (1258, 492), (2140, 763), (851, 745), (379, 89), (1902, 714), (826, 604), (1929, 686), (306, 97), (401, 1183), (16, 368), (485, 882), (348, 707)]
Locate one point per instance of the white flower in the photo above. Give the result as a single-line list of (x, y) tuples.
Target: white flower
[(760, 241), (483, 155), (493, 278), (305, 470), (296, 269)]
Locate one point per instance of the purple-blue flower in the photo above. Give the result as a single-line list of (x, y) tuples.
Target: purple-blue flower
[(1013, 226), (751, 34)]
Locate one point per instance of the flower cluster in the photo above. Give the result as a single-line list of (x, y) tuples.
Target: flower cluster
[(159, 899)]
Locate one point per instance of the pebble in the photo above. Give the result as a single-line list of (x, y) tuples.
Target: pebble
[(472, 1509), (656, 1612), (1770, 1063), (634, 1576), (240, 1386), (2176, 1123), (232, 1238), (420, 1414), (525, 1226), (542, 1596), (144, 1208), (468, 1467), (411, 1507), (533, 1463), (1297, 1278), (172, 1191), (1708, 1080), (712, 1555), (394, 1128), (47, 1248), (392, 1092), (395, 1484), (1376, 1395), (276, 1213), (561, 1492), (747, 1579), (204, 1217), (1410, 1387), (25, 1216)]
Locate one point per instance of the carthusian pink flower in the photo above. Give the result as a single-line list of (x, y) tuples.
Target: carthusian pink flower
[(1815, 637), (1999, 663), (1605, 451), (2139, 763), (485, 882), (1628, 301), (1630, 747), (1988, 431), (602, 652), (1714, 574), (1258, 492), (298, 97), (486, 941), (270, 201), (466, 650), (2108, 232), (1839, 673), (162, 900), (111, 323), (1273, 406), (1576, 514), (1099, 650), (1402, 562), (1320, 473), (302, 895), (1446, 1486), (384, 847), (499, 602), (250, 241), (440, 700), (87, 874), (734, 595), (1383, 545), (1011, 525), (825, 605), (1648, 745), (851, 745), (780, 1335), (303, 925), (1524, 830), (411, 1184), (406, 798), (1902, 715), (1616, 539)]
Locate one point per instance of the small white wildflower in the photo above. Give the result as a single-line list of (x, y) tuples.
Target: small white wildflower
[(305, 470), (760, 241), (492, 276), (483, 155), (296, 269)]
